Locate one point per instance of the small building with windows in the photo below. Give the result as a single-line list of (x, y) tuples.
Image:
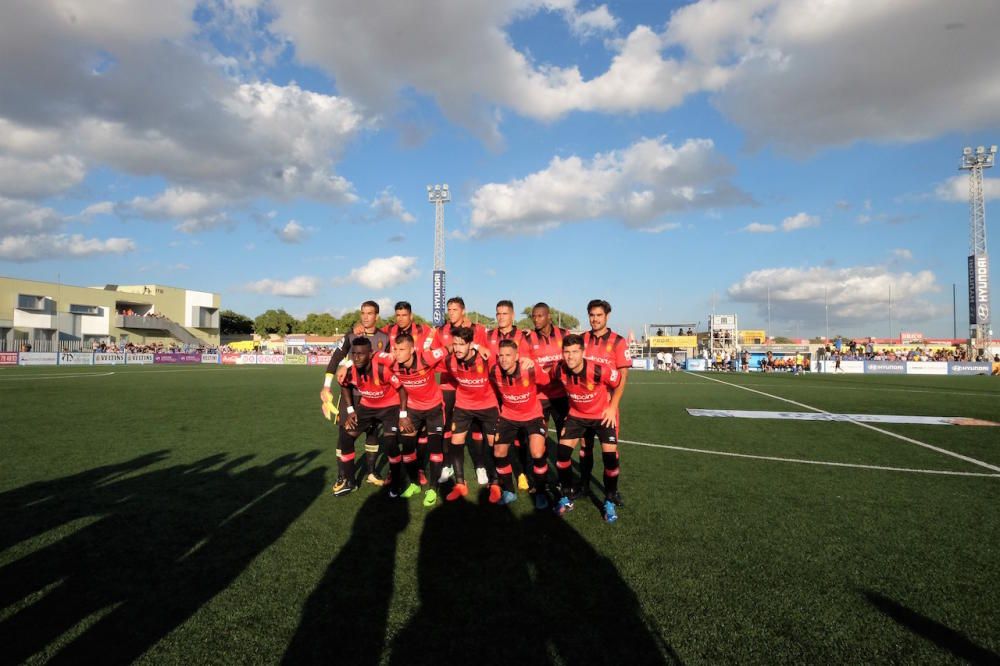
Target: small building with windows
[(49, 316)]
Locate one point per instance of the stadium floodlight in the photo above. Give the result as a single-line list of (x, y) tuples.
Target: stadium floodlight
[(978, 265), (438, 195)]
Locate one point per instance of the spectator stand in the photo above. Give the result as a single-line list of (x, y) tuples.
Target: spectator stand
[(670, 345), (723, 334)]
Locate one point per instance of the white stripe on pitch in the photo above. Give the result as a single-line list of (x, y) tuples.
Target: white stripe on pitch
[(904, 438)]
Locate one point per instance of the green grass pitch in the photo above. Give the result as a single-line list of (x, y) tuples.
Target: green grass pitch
[(184, 516)]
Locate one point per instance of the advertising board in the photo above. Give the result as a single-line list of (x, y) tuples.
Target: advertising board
[(318, 359), (295, 359), (140, 359), (110, 358), (885, 367), (177, 358), (969, 368), (270, 359), (666, 341), (37, 358), (926, 368), (696, 364), (76, 358), (247, 359), (209, 358), (231, 359), (8, 358), (849, 367)]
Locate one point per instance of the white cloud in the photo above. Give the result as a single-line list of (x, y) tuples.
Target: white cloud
[(383, 272), (799, 221), (594, 22), (956, 189), (902, 253), (76, 94), (99, 208), (298, 287), (758, 228), (54, 246), (30, 178), (460, 54), (856, 294), (20, 217), (797, 74), (293, 232), (638, 185), (388, 206), (810, 74)]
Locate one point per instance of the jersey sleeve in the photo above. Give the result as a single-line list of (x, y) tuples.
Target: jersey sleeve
[(541, 377), (383, 358), (622, 359), (339, 354), (394, 381), (433, 357), (346, 381), (479, 336), (612, 378)]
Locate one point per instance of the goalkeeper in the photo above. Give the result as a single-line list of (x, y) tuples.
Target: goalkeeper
[(341, 356)]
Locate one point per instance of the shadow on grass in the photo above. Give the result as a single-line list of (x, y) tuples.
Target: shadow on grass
[(160, 545), (944, 637), (344, 619), (499, 589)]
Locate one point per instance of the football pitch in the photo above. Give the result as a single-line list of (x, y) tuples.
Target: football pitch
[(184, 516)]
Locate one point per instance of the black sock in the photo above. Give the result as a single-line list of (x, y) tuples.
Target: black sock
[(458, 460), (611, 470), (505, 472), (540, 470), (564, 466), (436, 458), (586, 462)]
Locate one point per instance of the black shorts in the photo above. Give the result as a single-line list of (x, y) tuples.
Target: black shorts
[(429, 421), (464, 419), (576, 428), (556, 409), (368, 417), (508, 431)]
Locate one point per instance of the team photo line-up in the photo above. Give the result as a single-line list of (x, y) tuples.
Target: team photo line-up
[(433, 392)]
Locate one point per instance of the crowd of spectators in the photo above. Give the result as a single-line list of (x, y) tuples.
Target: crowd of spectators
[(129, 312)]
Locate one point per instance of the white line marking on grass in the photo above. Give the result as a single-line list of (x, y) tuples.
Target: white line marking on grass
[(904, 438), (810, 462), (73, 376), (824, 387)]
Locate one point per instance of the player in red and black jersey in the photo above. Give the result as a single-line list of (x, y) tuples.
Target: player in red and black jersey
[(517, 381), (475, 402), (593, 411), (546, 349), (505, 330), (604, 346), (365, 328), (416, 369), (405, 324), (383, 402), (443, 339)]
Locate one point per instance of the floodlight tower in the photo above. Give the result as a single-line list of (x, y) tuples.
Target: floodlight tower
[(974, 161), (439, 196)]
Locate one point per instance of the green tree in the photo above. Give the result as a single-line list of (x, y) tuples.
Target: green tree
[(782, 340), (275, 321), (559, 318), (233, 323), (477, 318), (320, 324)]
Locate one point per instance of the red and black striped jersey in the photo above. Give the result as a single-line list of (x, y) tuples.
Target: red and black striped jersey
[(494, 336), (547, 352), (588, 389), (442, 340), (519, 391), (420, 333), (609, 349), (422, 392), (472, 379), (376, 383)]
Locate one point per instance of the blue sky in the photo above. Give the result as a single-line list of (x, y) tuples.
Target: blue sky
[(668, 157)]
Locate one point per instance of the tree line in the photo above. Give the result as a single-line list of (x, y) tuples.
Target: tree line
[(325, 324)]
